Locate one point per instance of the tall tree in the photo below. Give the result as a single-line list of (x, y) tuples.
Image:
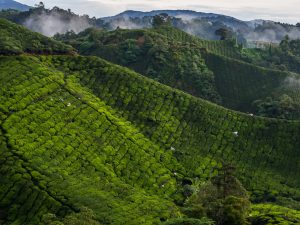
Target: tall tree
[(223, 33), (161, 19), (223, 199)]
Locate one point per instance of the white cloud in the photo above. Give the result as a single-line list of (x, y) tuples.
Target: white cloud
[(278, 10)]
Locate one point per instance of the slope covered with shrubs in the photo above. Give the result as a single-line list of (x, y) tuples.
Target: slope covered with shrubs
[(213, 70), (84, 133), (71, 149), (16, 39), (86, 141), (152, 54)]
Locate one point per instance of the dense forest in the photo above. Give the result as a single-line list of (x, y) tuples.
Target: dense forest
[(147, 126)]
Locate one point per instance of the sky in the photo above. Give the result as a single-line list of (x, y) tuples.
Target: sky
[(278, 10)]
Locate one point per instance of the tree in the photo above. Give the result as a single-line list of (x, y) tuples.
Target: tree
[(283, 107), (284, 44), (161, 19), (40, 5), (84, 216), (223, 199), (189, 221), (223, 33)]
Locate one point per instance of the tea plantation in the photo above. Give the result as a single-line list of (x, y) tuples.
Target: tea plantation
[(84, 141), (16, 39), (213, 70)]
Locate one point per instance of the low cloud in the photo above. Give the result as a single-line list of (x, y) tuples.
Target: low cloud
[(124, 23), (275, 34), (284, 11), (51, 23), (292, 83)]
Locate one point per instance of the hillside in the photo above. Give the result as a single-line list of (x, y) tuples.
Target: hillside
[(213, 70), (86, 140), (152, 54), (16, 39), (10, 4), (128, 148), (286, 56)]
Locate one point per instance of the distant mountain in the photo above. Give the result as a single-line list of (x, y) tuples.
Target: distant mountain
[(175, 13), (204, 25), (10, 4), (188, 15)]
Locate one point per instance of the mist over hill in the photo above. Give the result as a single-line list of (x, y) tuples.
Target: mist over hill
[(203, 25), (48, 21)]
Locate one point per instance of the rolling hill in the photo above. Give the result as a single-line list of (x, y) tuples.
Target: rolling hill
[(214, 70), (83, 139), (16, 39)]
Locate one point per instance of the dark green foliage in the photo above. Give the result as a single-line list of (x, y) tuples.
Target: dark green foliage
[(189, 221), (284, 107), (164, 59), (16, 39), (213, 70), (267, 214), (85, 216), (286, 56), (161, 20), (223, 199), (224, 34), (240, 84)]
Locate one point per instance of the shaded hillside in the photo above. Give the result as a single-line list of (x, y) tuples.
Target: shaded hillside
[(172, 57), (16, 39), (240, 84), (157, 56)]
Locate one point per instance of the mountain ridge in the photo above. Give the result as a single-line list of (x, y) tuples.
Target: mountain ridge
[(199, 24), (11, 4)]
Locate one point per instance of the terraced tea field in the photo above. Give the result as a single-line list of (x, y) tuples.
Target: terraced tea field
[(212, 70), (79, 131), (85, 141)]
